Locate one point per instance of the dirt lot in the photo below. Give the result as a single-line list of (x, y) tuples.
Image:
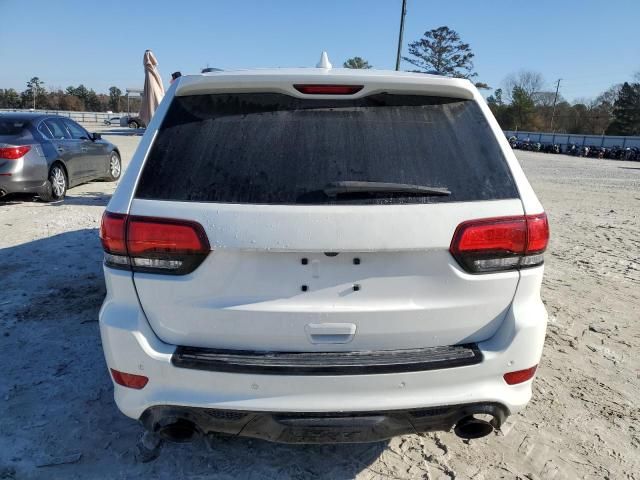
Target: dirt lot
[(58, 419)]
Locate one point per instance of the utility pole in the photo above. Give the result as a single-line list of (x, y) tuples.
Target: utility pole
[(555, 99), (404, 12)]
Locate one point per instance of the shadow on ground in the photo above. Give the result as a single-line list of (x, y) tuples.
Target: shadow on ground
[(85, 198), (58, 416), (17, 198)]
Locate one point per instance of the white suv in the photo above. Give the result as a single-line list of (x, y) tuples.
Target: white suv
[(312, 255)]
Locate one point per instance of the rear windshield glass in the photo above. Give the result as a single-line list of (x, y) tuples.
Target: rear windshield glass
[(12, 127), (269, 148)]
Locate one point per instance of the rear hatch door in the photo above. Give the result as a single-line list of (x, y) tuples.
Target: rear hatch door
[(297, 266)]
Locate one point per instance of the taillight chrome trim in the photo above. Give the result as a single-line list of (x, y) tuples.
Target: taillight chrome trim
[(119, 252), (523, 247)]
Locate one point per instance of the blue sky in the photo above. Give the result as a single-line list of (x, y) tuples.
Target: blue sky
[(589, 44)]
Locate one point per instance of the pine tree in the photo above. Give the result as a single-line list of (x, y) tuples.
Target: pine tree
[(441, 51), (357, 63), (114, 99), (35, 94), (626, 111), (522, 107)]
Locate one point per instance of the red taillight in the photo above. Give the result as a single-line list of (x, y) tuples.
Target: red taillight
[(506, 235), (503, 243), (129, 379), (538, 233), (155, 245), (13, 153), (328, 89), (158, 236), (112, 230), (520, 376)]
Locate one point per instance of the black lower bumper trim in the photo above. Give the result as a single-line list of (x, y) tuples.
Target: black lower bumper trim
[(343, 427), (326, 363)]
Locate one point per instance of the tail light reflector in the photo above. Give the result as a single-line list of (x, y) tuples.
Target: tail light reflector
[(502, 243), (13, 153), (329, 89), (129, 380), (520, 376), (155, 245)]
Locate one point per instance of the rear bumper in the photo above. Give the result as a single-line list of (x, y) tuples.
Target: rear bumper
[(24, 175), (9, 185), (131, 346), (346, 427), (326, 363)]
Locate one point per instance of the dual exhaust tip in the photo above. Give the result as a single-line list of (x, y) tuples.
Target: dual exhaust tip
[(178, 430), (474, 426)]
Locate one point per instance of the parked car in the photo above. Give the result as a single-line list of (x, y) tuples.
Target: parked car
[(323, 255), (112, 121), (132, 122), (47, 154)]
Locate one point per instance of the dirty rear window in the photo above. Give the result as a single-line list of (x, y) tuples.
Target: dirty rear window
[(12, 127), (270, 148)]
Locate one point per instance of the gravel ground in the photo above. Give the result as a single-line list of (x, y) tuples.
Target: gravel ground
[(58, 418)]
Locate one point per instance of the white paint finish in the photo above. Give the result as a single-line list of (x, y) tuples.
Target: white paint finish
[(247, 293), (324, 61), (516, 344), (282, 81), (254, 300), (322, 228)]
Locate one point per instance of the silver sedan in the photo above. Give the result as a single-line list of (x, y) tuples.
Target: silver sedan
[(47, 154)]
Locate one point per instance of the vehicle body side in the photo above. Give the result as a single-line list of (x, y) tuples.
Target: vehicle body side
[(82, 160)]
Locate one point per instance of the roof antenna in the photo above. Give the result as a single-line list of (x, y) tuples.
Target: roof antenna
[(324, 61)]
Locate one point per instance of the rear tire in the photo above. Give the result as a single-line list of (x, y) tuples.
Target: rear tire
[(56, 186), (133, 124), (115, 167)]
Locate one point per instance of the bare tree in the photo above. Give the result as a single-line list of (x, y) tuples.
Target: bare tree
[(610, 95), (545, 99), (529, 82)]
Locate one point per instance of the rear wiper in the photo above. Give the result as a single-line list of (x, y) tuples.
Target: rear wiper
[(336, 188)]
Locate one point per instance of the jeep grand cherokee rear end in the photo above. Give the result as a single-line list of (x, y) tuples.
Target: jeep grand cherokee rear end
[(323, 255)]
